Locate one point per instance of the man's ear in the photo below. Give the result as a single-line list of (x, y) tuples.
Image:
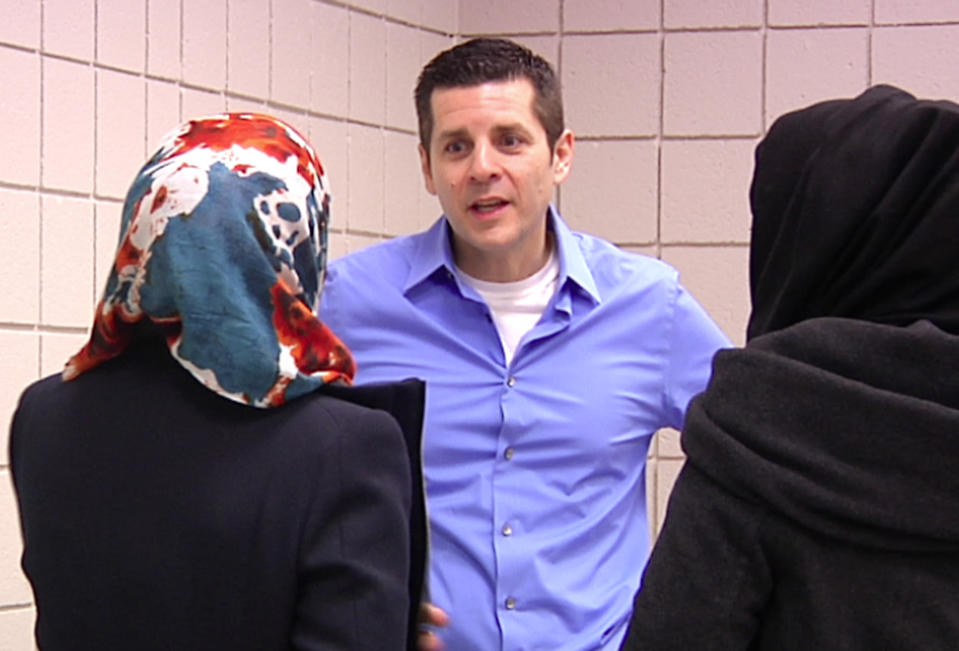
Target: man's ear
[(563, 156), (425, 166)]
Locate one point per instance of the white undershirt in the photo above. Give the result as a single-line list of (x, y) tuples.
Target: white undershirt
[(517, 306)]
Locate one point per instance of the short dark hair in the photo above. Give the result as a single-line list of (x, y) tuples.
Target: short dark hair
[(483, 60)]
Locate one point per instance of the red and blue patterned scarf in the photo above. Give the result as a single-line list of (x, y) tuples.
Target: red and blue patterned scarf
[(223, 247)]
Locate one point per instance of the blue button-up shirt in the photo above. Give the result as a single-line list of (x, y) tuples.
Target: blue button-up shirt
[(535, 471)]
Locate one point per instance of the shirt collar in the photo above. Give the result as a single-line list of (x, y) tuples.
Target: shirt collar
[(434, 251)]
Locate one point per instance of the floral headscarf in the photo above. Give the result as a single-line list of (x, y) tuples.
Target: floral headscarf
[(223, 246)]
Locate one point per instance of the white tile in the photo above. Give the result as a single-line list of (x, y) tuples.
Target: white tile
[(204, 43), (20, 106), (163, 112), (329, 60), (705, 186), (66, 261), (508, 16), (404, 194), (121, 34), (715, 13), (920, 60), (163, 39), (121, 131), (16, 628), (367, 89), (20, 250), (593, 198), (713, 83), (107, 218), (366, 179), (56, 349), (610, 15), (603, 99), (68, 28), (819, 12), (402, 69), (22, 27), (290, 79), (68, 125), (248, 47)]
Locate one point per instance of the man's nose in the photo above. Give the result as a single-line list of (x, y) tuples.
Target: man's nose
[(484, 163)]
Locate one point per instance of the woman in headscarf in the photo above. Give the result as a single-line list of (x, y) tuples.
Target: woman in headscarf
[(190, 481), (819, 504)]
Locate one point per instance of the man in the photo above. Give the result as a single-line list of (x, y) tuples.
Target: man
[(551, 358)]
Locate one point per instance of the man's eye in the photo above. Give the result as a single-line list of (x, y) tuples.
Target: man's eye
[(455, 147), (511, 141)]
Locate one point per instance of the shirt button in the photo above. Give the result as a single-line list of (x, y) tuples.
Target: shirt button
[(511, 381), (510, 603), (507, 530), (508, 453)]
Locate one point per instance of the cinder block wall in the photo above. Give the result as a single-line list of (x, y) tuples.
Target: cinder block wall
[(667, 97)]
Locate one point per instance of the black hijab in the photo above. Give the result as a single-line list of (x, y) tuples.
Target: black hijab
[(856, 214)]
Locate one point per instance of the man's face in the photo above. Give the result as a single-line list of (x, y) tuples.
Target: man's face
[(494, 172)]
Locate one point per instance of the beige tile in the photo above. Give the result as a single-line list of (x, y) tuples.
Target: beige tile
[(402, 69), (246, 105), (330, 141), (289, 78), (375, 6), (16, 628), (329, 60), (20, 352), (545, 45), (819, 12), (355, 242), (408, 11), (14, 588), (121, 131), (56, 349), (610, 15), (68, 28), (121, 34), (508, 16), (68, 125), (705, 190), (66, 261), (795, 59), (442, 15), (20, 250), (22, 27), (163, 112), (667, 470), (718, 277), (612, 190), (204, 43), (668, 445), (367, 88), (248, 47), (713, 83), (916, 11), (366, 186), (163, 39), (198, 103), (604, 99), (404, 194), (20, 108), (716, 13), (918, 59), (107, 218)]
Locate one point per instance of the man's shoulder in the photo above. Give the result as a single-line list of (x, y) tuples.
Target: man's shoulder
[(380, 262), (612, 265)]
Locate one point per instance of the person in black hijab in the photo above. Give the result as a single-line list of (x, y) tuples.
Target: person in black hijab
[(819, 504)]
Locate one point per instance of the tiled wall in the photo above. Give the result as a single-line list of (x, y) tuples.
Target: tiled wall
[(667, 97)]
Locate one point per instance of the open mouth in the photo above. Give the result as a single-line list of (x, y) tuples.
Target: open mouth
[(485, 206)]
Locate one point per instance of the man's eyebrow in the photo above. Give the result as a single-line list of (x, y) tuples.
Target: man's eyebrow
[(451, 134)]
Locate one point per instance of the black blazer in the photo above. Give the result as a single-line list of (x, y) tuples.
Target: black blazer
[(158, 515)]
